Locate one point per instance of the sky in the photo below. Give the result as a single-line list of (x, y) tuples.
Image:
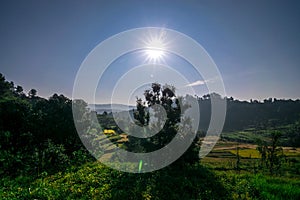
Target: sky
[(255, 44)]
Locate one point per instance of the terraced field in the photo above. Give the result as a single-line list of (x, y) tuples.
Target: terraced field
[(224, 157)]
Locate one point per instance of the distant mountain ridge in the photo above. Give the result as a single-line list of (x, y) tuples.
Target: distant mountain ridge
[(101, 108)]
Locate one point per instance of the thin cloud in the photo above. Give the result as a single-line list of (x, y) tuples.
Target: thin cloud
[(199, 82), (202, 82)]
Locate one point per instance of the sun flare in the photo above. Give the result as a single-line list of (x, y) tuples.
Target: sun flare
[(154, 54), (155, 47)]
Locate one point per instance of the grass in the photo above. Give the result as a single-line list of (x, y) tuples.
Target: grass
[(250, 135), (251, 181), (243, 136), (259, 186), (96, 181), (215, 178), (292, 152), (247, 153)]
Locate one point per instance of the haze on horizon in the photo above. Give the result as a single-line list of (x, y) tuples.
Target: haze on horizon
[(255, 44)]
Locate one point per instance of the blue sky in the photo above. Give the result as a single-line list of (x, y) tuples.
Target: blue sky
[(255, 44)]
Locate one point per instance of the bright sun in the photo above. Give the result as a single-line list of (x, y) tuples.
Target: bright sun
[(154, 54), (155, 48)]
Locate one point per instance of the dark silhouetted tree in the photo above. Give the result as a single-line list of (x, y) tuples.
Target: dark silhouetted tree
[(163, 99), (32, 93)]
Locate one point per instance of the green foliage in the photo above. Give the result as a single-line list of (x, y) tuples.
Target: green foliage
[(271, 154), (247, 186), (36, 134), (41, 156), (293, 134), (241, 115), (15, 155), (164, 103), (244, 136), (53, 155), (95, 181)]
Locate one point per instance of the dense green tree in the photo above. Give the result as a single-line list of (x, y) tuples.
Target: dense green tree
[(35, 131), (162, 99)]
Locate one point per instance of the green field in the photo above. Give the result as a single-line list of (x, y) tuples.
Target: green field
[(215, 177)]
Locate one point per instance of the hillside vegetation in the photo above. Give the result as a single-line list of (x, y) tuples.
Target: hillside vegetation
[(42, 157)]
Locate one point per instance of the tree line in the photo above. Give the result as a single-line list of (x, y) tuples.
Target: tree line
[(36, 134), (247, 114)]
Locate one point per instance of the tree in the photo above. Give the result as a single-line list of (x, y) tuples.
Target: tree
[(272, 153), (238, 159), (141, 114), (5, 87), (275, 152), (162, 99), (32, 93)]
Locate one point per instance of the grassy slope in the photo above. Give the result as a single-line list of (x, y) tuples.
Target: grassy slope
[(96, 181), (215, 178)]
